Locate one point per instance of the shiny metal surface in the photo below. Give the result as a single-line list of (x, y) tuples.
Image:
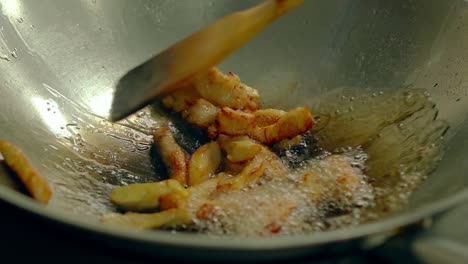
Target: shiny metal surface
[(59, 61)]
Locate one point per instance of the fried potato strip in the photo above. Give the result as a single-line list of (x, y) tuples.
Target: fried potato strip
[(239, 149), (35, 183), (202, 113), (145, 196), (287, 125), (204, 163), (266, 117), (253, 159), (226, 90), (293, 123), (172, 154), (234, 123)]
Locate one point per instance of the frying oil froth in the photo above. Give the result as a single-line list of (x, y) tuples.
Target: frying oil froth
[(393, 142), (286, 205)]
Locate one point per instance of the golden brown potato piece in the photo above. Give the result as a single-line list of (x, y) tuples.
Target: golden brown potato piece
[(204, 163), (202, 113), (168, 218), (239, 149), (293, 123), (35, 183), (234, 122), (172, 154), (226, 90), (144, 196), (181, 100), (266, 117)]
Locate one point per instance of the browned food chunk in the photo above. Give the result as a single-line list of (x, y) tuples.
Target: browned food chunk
[(35, 183), (266, 117), (172, 154), (202, 113), (181, 100), (235, 123), (144, 196), (204, 163), (226, 90), (239, 149), (292, 123)]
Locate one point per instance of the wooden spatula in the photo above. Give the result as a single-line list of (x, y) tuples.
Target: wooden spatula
[(166, 71)]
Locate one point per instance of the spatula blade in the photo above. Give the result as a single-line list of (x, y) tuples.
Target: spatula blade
[(204, 49)]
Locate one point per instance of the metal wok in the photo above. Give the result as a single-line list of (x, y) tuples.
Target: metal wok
[(59, 61)]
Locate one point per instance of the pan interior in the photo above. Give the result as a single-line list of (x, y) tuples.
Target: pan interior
[(59, 61)]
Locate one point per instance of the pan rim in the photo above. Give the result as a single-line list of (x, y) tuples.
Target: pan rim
[(193, 241)]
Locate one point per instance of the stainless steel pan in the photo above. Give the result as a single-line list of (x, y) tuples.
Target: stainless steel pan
[(59, 61)]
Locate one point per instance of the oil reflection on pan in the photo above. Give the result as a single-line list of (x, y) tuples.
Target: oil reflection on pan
[(51, 116)]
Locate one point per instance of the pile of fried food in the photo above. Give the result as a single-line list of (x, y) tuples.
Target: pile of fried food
[(238, 159), (222, 175)]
